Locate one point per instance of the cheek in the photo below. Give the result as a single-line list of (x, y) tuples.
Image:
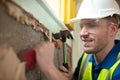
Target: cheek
[(102, 32), (102, 37)]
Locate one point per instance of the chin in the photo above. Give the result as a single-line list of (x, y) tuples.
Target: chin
[(88, 51)]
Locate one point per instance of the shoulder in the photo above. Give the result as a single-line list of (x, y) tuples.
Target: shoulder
[(76, 72), (80, 62), (116, 75)]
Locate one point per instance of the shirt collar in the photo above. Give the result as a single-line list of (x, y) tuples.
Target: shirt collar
[(110, 58)]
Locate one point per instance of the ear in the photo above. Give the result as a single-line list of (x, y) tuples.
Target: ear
[(113, 29)]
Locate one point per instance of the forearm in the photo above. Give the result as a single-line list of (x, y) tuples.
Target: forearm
[(45, 61), (54, 74)]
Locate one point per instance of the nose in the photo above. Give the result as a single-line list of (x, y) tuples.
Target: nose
[(84, 33)]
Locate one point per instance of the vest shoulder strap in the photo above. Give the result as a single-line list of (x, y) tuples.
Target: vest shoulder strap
[(83, 65), (113, 68)]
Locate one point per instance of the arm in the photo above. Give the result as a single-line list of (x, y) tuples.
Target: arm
[(54, 74), (45, 61), (68, 72), (74, 78)]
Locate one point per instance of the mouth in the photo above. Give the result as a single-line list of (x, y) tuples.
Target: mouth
[(87, 43)]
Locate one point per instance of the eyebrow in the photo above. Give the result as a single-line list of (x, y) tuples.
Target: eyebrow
[(88, 21)]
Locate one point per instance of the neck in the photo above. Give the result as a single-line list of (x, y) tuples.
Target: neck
[(100, 56)]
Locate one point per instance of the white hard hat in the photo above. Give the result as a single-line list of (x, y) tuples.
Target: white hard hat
[(94, 9)]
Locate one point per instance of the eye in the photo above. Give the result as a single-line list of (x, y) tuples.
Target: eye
[(92, 25), (88, 25)]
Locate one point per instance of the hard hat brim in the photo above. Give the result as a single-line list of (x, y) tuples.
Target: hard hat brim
[(74, 19)]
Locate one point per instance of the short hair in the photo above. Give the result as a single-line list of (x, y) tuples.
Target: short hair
[(114, 19)]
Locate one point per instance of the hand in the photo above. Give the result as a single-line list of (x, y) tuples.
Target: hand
[(67, 72), (45, 55), (16, 71)]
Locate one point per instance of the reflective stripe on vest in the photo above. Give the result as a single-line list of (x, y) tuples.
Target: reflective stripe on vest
[(83, 66), (85, 71)]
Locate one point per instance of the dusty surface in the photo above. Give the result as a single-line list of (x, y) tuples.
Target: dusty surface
[(16, 34), (20, 37)]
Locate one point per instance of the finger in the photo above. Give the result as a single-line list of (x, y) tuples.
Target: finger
[(63, 69), (69, 66)]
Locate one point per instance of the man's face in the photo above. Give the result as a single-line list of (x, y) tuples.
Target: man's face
[(94, 34)]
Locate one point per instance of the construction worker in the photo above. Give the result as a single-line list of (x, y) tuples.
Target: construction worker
[(99, 23)]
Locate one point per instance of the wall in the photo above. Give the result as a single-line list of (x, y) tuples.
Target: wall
[(55, 5), (22, 31)]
